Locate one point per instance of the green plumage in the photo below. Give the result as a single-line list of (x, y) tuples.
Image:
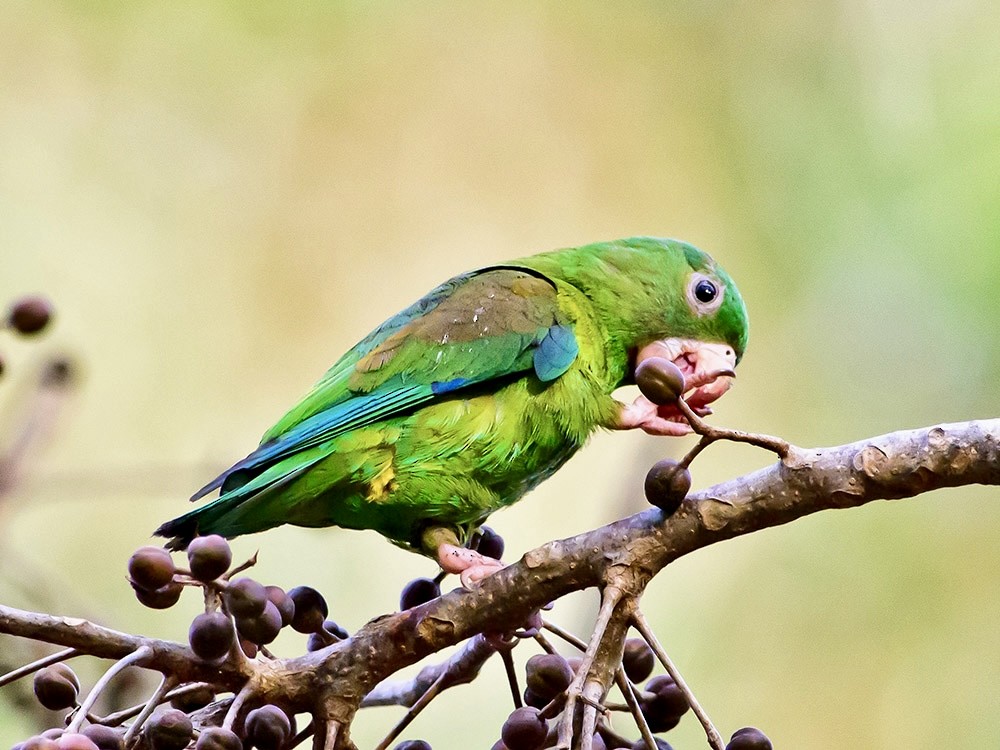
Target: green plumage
[(466, 400)]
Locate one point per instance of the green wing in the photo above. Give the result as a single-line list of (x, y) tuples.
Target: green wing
[(478, 328)]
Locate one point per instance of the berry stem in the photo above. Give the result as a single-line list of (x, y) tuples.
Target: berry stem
[(707, 431), (640, 623), (565, 635), (415, 709), (240, 568), (45, 661), (508, 665), (628, 690), (234, 708), (302, 736), (113, 720), (542, 641), (88, 703), (155, 699)]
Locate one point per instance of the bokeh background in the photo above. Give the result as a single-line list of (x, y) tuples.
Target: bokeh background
[(220, 198)]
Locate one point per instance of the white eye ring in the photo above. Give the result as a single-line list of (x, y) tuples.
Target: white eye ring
[(704, 294)]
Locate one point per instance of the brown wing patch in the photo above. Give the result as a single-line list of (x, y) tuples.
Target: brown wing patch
[(493, 303)]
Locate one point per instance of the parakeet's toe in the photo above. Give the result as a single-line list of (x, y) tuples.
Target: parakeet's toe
[(471, 566), (471, 577)]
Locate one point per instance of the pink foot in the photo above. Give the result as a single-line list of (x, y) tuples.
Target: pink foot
[(650, 418), (471, 566)]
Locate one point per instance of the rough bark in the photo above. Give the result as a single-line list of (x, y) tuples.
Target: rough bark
[(332, 683)]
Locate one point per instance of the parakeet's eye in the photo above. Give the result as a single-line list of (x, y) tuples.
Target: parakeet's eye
[(705, 291), (704, 294)]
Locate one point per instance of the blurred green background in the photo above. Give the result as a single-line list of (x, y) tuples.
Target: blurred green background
[(220, 198)]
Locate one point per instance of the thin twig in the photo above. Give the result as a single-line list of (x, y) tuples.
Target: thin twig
[(240, 568), (712, 433), (609, 600), (714, 738), (508, 665), (302, 736), (415, 709), (234, 708), (113, 720), (565, 635), (154, 700), (625, 685), (88, 703), (691, 454), (45, 661), (542, 641)]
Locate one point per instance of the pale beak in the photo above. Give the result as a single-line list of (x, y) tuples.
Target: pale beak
[(708, 368)]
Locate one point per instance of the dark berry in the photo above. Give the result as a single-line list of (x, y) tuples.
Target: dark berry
[(524, 729), (638, 659), (490, 543), (192, 700), (209, 557), (151, 568), (310, 609), (335, 630), (216, 738), (268, 727), (211, 635), (58, 372), (329, 634), (663, 704), (531, 699), (667, 484), (284, 603), (106, 738), (56, 687), (749, 738), (169, 730), (413, 745), (76, 741), (418, 591), (547, 675), (245, 597), (659, 380), (29, 314), (161, 598), (263, 628)]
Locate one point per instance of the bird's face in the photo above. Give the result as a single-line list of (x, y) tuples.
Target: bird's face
[(713, 340)]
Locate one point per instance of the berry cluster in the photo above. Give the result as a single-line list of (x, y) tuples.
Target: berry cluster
[(239, 613), (237, 610)]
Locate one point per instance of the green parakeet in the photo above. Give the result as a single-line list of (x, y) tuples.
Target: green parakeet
[(469, 398)]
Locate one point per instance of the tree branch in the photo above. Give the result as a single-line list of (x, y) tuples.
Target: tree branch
[(332, 683)]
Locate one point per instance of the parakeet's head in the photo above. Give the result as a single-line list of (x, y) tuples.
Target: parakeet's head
[(664, 298), (703, 328)]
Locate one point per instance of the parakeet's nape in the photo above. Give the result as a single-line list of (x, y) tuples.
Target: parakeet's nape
[(470, 397)]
